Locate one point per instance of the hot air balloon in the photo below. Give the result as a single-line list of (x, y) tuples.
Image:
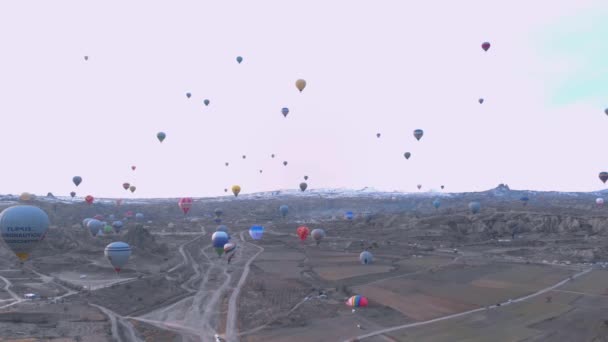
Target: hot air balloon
[(133, 167), (599, 201), (260, 171), (418, 134), (239, 59), (126, 186), (85, 222), (225, 190), (524, 200), (26, 197), (77, 180), (139, 217), (480, 101), (117, 225), (236, 190), (185, 204), (132, 188), (118, 254), (129, 214), (161, 136), (284, 209), (229, 247), (419, 186), (272, 156), (436, 203), (285, 111), (86, 58), (485, 46), (377, 135), (22, 227), (89, 199), (366, 257), (474, 207), (188, 95), (98, 217), (317, 235), (442, 187), (107, 229), (206, 102), (256, 232), (303, 186), (302, 232), (305, 177), (604, 176), (218, 212), (222, 228), (111, 217), (219, 239), (226, 163), (72, 194), (94, 226), (606, 111), (407, 155), (300, 84), (357, 301), (285, 163), (349, 215), (244, 156)]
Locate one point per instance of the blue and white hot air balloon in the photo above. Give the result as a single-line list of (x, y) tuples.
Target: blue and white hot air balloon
[(256, 232)]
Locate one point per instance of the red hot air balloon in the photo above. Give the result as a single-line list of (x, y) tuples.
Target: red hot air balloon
[(89, 199), (185, 204), (126, 186), (302, 232), (129, 214), (485, 46)]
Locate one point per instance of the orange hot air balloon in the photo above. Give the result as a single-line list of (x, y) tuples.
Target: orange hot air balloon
[(185, 204), (89, 199), (302, 232)]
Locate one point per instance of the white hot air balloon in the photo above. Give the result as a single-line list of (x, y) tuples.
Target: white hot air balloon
[(118, 254), (22, 227), (366, 257), (94, 226)]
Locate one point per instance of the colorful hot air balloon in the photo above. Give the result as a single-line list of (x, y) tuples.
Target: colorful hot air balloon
[(126, 186), (94, 226), (317, 235), (185, 204), (77, 180), (284, 209), (303, 186), (474, 207), (300, 84), (366, 257), (117, 225), (188, 95), (485, 46), (229, 247), (22, 227), (357, 301), (161, 136), (239, 59), (236, 190), (89, 199), (206, 102), (219, 239), (132, 188), (349, 215), (418, 134), (302, 232), (285, 111), (256, 232), (118, 254), (407, 155), (436, 203), (72, 194), (604, 176), (480, 101)]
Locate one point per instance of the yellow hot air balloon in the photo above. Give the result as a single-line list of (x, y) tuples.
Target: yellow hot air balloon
[(25, 197), (235, 190), (300, 84)]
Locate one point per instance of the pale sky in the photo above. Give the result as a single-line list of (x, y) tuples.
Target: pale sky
[(371, 66)]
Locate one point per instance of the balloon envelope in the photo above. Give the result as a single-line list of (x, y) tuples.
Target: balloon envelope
[(185, 204), (284, 209), (603, 176), (77, 180), (357, 301), (132, 188), (300, 84), (239, 59), (117, 225), (285, 111), (302, 232), (139, 216), (418, 134), (72, 194), (436, 203), (161, 136), (407, 155), (474, 207), (89, 199), (317, 235), (485, 46), (126, 186), (303, 186), (206, 102), (118, 254), (22, 227), (256, 232), (236, 190), (349, 215), (366, 257), (229, 247), (94, 226)]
